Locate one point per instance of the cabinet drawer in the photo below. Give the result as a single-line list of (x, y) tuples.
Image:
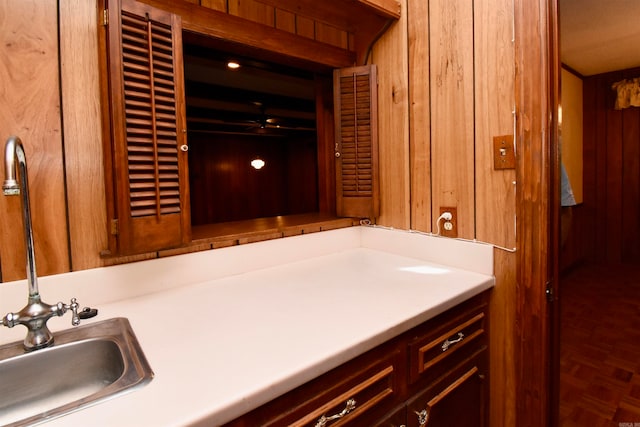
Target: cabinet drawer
[(354, 394), (457, 399), (439, 350), (396, 418)]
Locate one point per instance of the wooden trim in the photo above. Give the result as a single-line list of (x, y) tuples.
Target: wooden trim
[(283, 225), (222, 26), (325, 136), (387, 8), (349, 16), (536, 125), (105, 116), (454, 386), (363, 20), (572, 71), (553, 252), (221, 235)]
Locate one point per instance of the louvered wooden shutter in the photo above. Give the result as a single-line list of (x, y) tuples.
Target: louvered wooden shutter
[(355, 103), (148, 122)]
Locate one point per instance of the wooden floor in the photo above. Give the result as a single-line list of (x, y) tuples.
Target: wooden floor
[(600, 347)]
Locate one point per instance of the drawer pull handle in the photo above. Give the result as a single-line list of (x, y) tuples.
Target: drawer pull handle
[(423, 417), (449, 342), (323, 420)]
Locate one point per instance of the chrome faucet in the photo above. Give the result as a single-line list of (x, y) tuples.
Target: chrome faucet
[(36, 313)]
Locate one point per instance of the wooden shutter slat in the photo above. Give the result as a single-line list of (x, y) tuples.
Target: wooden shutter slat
[(142, 38)]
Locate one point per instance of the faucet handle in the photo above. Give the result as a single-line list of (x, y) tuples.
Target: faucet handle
[(88, 313), (76, 315), (75, 319)]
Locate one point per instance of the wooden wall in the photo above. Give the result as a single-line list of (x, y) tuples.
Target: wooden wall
[(286, 185), (609, 220), (81, 108), (446, 76), (438, 120), (30, 109)]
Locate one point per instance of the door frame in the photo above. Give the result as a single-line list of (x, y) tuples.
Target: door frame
[(537, 210)]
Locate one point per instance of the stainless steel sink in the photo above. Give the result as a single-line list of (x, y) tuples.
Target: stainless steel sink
[(86, 365)]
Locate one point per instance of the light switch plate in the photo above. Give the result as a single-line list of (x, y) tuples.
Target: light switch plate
[(504, 156)]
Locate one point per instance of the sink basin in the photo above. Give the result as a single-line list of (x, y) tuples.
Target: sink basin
[(86, 365)]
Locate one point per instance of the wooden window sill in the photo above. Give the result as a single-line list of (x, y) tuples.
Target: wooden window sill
[(255, 230), (212, 236)]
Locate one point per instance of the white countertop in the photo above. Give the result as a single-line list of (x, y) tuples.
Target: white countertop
[(230, 329)]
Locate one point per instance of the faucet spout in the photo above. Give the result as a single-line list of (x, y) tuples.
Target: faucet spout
[(36, 313), (14, 150)]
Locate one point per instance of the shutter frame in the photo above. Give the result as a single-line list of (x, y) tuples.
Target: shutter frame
[(356, 141), (148, 123)]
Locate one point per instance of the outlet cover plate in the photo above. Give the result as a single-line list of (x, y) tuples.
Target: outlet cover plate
[(453, 232)]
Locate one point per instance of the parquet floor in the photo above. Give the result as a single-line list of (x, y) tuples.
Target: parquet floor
[(600, 347)]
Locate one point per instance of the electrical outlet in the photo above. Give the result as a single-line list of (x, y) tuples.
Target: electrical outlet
[(449, 228)]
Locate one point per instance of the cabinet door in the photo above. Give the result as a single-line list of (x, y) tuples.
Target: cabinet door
[(457, 401)]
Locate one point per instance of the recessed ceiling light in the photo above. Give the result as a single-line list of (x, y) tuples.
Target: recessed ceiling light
[(233, 65)]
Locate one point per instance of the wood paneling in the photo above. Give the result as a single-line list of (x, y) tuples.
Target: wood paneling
[(452, 110), (331, 35), (495, 192), (220, 5), (393, 125), (84, 167), (494, 103), (609, 222), (224, 186), (30, 109), (285, 20), (252, 10), (419, 114), (461, 86)]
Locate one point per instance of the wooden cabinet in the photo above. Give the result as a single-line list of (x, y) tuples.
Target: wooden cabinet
[(433, 375), (354, 394), (448, 363), (457, 401)]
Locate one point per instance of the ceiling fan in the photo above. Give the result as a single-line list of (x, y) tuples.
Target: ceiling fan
[(251, 117), (265, 121)]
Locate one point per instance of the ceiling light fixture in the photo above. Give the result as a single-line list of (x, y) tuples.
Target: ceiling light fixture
[(233, 65), (257, 163)]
